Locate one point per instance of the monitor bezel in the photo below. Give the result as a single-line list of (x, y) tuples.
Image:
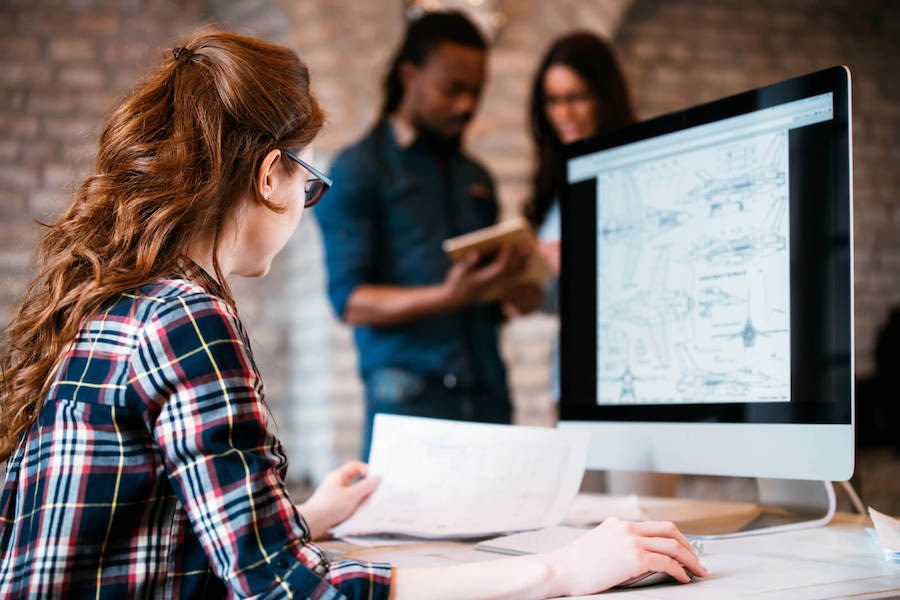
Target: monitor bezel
[(578, 290)]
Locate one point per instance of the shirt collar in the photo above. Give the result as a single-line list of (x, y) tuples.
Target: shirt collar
[(405, 133), (194, 272)]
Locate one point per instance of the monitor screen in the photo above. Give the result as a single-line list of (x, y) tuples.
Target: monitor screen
[(706, 295)]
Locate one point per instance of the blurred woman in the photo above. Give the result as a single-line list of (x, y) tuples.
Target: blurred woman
[(578, 91)]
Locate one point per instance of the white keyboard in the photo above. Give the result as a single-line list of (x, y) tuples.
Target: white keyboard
[(542, 540), (531, 542)]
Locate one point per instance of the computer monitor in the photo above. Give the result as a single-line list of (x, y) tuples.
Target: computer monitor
[(706, 294)]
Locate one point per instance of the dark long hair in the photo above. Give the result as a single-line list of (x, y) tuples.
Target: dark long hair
[(594, 60), (422, 36), (174, 159)]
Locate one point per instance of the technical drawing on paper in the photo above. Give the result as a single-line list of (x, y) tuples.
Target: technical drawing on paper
[(693, 295)]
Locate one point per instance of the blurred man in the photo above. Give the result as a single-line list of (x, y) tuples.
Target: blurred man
[(427, 346)]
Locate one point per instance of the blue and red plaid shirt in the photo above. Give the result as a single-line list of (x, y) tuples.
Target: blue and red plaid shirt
[(150, 472)]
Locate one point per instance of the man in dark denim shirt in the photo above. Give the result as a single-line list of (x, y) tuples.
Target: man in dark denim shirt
[(427, 346)]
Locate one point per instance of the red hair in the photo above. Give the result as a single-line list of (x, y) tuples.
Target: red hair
[(174, 158)]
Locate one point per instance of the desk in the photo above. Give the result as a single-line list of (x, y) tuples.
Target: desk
[(838, 561)]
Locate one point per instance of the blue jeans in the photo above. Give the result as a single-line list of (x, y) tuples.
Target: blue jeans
[(399, 392)]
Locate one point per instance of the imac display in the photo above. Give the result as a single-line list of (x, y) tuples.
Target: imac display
[(707, 287)]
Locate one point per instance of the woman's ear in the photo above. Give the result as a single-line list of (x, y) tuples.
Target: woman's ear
[(265, 176)]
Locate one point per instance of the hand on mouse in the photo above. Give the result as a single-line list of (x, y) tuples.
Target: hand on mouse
[(621, 550)]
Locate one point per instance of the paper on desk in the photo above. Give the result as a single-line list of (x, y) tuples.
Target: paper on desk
[(887, 530), (376, 541), (452, 479), (591, 509)]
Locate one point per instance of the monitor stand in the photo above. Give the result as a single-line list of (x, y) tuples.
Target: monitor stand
[(780, 505), (786, 504)]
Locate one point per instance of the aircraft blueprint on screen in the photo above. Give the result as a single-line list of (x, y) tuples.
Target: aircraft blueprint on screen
[(693, 266)]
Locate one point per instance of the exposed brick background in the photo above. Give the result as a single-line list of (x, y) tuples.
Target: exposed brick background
[(680, 53), (64, 63)]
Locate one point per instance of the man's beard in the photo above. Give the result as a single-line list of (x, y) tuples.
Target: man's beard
[(439, 143)]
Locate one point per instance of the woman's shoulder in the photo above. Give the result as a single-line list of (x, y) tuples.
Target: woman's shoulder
[(173, 289), (174, 299)]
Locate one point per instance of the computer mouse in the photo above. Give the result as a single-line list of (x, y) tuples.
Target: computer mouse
[(656, 577), (650, 578)]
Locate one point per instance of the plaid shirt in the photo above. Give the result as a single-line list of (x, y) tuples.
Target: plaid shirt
[(150, 472)]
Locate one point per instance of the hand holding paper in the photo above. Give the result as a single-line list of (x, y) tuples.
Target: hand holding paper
[(446, 479), (337, 497)]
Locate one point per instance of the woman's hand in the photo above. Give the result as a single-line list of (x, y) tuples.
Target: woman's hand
[(337, 497), (549, 250), (521, 300), (603, 557), (617, 551)]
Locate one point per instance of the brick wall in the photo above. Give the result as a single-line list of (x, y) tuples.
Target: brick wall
[(682, 52), (61, 69), (63, 64)]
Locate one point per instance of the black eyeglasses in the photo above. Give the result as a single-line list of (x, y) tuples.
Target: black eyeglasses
[(317, 185)]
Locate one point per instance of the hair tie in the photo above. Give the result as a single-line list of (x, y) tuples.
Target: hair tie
[(177, 53)]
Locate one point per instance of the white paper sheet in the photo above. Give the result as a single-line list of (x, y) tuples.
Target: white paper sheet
[(452, 479), (887, 531)]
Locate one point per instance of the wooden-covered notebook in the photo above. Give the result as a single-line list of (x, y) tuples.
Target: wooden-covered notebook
[(489, 240)]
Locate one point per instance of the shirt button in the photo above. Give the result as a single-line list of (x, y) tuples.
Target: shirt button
[(449, 381)]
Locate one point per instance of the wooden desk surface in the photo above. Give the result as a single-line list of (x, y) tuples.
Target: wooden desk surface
[(841, 560)]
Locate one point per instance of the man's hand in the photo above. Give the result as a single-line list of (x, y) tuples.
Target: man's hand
[(467, 281), (339, 495)]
